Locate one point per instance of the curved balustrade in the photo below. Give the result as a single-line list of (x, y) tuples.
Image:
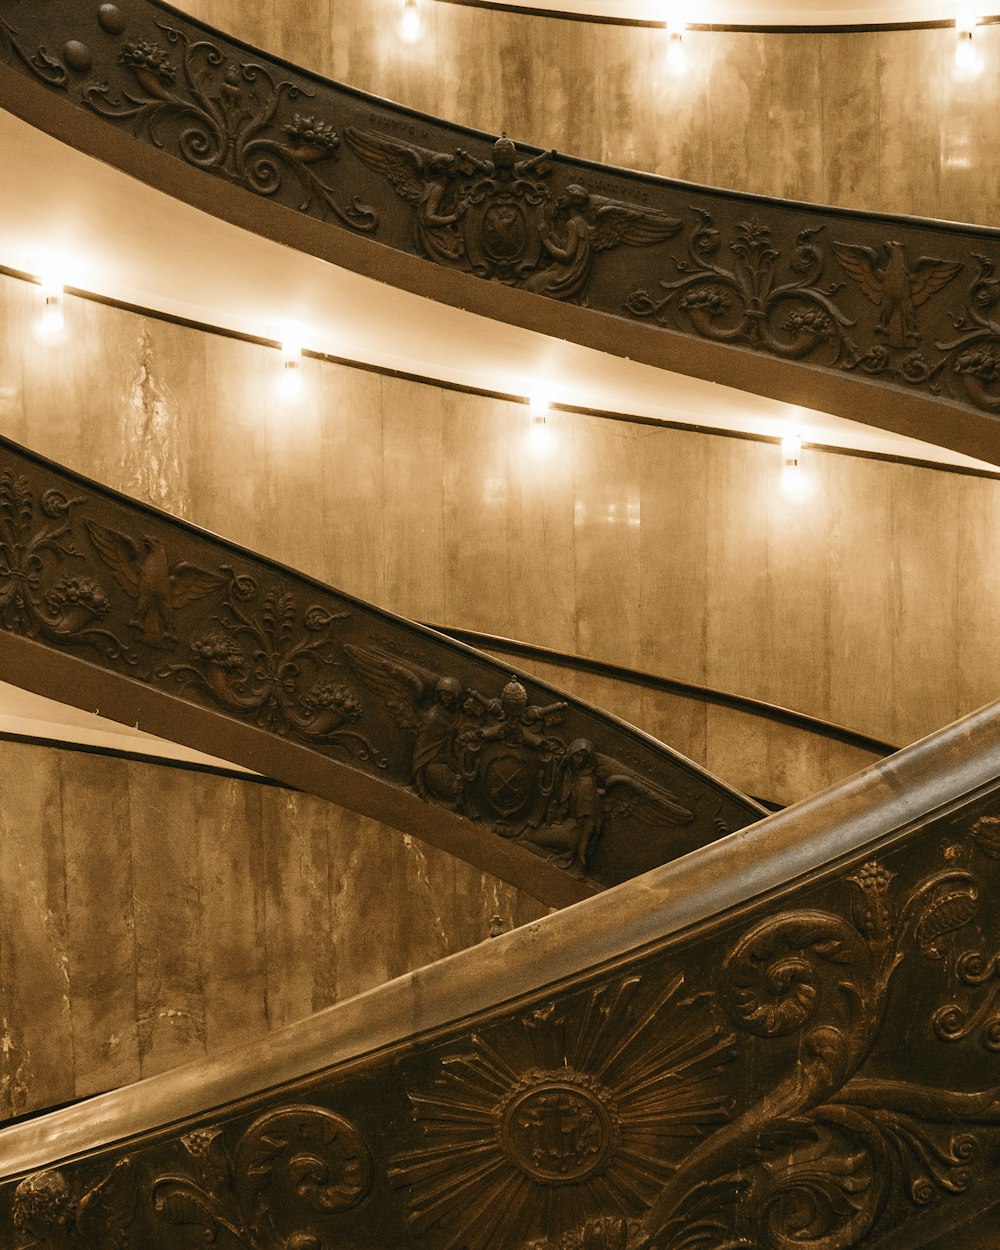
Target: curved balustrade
[(114, 607), (893, 321), (775, 754), (786, 1038)]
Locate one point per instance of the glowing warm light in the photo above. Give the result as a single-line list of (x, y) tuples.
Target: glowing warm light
[(539, 434), (966, 58), (289, 383), (51, 320), (793, 480), (410, 26), (676, 26)]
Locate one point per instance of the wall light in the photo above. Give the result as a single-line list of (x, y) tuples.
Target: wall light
[(289, 380), (793, 480), (539, 434), (410, 26), (676, 26), (966, 57), (51, 319)]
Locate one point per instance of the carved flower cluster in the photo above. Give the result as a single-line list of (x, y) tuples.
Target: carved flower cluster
[(219, 649), (811, 319), (308, 129), (607, 1232), (150, 57), (327, 695), (981, 362), (709, 298), (79, 591), (872, 878), (43, 1199)]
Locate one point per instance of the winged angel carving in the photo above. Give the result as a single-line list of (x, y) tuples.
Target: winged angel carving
[(498, 759), (499, 218)]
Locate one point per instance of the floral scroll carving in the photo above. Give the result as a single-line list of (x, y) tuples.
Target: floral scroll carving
[(180, 613), (818, 1159), (289, 1174), (225, 117)]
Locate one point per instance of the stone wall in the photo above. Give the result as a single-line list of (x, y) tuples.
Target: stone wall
[(150, 915)]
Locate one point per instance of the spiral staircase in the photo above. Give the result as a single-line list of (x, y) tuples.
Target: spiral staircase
[(735, 1027)]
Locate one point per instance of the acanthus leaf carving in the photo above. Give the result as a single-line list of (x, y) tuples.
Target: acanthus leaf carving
[(291, 1171), (35, 534), (744, 303), (810, 1162), (256, 662), (48, 68)]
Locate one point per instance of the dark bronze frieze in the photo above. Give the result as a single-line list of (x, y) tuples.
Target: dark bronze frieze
[(162, 607), (899, 303), (821, 1069)]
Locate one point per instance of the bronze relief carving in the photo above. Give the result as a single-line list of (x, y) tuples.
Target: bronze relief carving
[(289, 1173), (147, 599), (497, 759), (225, 117), (772, 1081), (551, 1118), (826, 288), (500, 219)]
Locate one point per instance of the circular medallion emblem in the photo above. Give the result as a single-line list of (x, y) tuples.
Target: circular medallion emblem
[(560, 1128)]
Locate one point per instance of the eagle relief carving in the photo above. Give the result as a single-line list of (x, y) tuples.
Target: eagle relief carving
[(146, 575), (896, 289)]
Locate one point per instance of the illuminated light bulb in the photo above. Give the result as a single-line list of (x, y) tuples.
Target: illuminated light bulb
[(410, 27), (676, 52), (51, 320), (793, 480), (539, 434), (289, 383), (966, 59)]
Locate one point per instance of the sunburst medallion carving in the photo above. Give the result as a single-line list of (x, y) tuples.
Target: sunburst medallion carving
[(564, 1115)]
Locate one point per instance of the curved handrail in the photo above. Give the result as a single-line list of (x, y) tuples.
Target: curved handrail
[(698, 1057), (820, 306), (112, 606), (671, 685)]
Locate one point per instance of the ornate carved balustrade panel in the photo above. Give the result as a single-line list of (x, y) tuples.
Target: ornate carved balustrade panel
[(714, 1058), (812, 304), (113, 606)]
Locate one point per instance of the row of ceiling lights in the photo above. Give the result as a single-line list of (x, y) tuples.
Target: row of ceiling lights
[(289, 387), (676, 24)]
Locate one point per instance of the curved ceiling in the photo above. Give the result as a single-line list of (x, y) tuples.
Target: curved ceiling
[(760, 12)]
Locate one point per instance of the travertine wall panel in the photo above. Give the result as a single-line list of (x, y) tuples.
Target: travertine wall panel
[(150, 915), (869, 603), (878, 121)]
